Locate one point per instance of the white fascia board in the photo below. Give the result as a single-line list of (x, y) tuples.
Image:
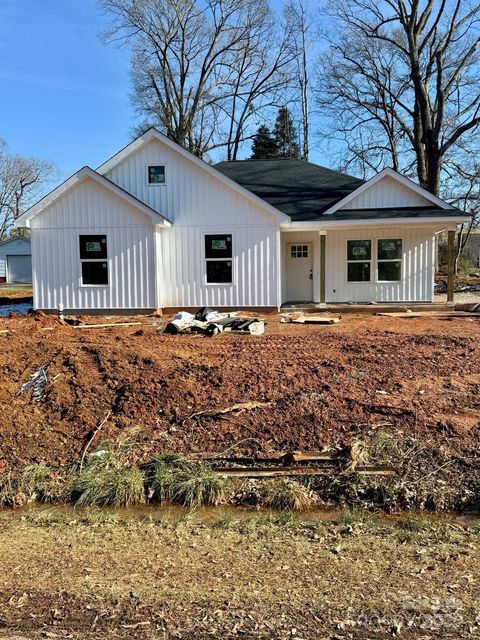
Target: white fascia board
[(399, 178), (154, 134), (449, 222), (81, 175)]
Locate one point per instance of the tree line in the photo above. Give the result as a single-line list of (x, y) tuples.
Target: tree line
[(385, 82), (371, 83)]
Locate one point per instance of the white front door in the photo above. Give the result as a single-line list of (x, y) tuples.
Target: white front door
[(299, 272)]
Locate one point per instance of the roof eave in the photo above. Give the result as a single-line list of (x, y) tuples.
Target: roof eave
[(449, 221)]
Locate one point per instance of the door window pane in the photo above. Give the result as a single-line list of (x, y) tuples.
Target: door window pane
[(299, 251)]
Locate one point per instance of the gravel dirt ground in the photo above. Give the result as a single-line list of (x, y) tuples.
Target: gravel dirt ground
[(323, 385)]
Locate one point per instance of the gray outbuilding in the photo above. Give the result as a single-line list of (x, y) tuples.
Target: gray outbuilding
[(15, 260)]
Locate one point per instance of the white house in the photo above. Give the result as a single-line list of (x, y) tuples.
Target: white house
[(15, 260), (156, 227)]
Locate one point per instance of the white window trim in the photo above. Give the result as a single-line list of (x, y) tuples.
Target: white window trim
[(205, 260), (300, 244), (156, 184), (388, 260), (347, 261), (81, 260), (374, 262)]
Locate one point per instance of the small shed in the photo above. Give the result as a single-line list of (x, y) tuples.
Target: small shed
[(15, 260)]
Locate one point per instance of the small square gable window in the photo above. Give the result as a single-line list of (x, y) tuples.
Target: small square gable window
[(156, 174)]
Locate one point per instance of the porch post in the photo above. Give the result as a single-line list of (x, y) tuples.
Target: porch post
[(322, 268), (450, 266), (279, 269)]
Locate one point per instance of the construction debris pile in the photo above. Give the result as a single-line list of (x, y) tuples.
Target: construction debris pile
[(441, 287), (293, 464), (209, 322)]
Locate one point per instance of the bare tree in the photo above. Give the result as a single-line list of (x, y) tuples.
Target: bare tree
[(402, 77), (464, 174), (202, 69), (21, 183), (301, 19)]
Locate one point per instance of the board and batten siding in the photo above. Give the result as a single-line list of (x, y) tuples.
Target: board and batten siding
[(198, 203), (13, 247), (91, 209), (387, 193), (182, 269), (416, 284)]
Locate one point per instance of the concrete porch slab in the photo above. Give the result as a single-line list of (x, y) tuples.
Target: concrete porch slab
[(364, 308)]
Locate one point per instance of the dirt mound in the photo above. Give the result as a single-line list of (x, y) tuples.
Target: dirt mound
[(316, 385)]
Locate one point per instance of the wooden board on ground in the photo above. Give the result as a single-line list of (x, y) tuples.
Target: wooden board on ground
[(309, 318), (316, 320), (431, 314), (278, 472), (106, 326), (310, 456)]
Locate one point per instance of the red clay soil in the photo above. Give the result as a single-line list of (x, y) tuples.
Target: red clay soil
[(325, 385)]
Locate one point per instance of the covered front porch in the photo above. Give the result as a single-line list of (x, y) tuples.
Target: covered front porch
[(356, 266)]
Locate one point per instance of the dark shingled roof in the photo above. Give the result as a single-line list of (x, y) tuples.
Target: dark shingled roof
[(300, 189), (304, 190)]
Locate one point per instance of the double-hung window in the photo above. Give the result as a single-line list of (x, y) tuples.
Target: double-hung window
[(389, 260), (93, 259), (218, 258), (359, 260)]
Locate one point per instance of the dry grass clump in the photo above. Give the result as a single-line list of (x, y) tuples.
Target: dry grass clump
[(34, 483), (287, 495), (41, 483), (107, 481), (426, 478), (192, 484), (8, 490)]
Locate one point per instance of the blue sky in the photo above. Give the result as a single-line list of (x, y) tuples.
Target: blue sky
[(64, 95)]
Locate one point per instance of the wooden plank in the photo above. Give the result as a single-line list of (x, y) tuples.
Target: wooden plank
[(431, 314), (310, 456), (242, 406), (277, 472), (106, 326), (313, 319), (271, 472)]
